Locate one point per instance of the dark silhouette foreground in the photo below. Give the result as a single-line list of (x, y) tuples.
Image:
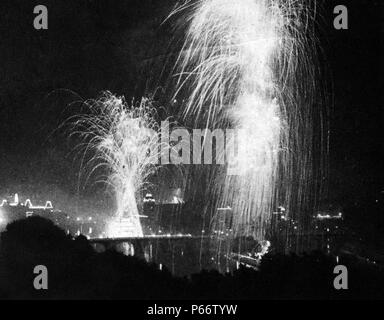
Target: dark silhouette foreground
[(76, 271)]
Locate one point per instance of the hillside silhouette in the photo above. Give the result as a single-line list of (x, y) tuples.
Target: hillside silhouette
[(76, 271)]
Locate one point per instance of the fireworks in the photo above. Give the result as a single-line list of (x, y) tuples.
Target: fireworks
[(125, 144), (246, 63), (242, 59)]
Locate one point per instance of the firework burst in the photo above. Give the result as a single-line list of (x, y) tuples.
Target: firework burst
[(242, 59), (124, 142)]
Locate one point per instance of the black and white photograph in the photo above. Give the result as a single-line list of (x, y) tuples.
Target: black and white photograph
[(216, 151)]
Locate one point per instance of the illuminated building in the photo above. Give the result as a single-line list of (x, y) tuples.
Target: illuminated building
[(14, 209)]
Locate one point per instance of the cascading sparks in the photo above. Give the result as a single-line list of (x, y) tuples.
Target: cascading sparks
[(124, 142), (241, 58)]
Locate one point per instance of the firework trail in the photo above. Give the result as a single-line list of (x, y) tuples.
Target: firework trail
[(124, 142), (242, 58)]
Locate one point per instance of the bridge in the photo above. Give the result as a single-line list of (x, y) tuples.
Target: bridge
[(142, 246)]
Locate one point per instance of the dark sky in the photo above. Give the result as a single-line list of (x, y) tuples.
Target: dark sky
[(356, 65), (95, 45)]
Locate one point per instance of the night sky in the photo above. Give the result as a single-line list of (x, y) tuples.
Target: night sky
[(98, 45)]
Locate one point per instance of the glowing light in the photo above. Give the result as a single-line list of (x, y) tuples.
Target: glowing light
[(242, 58), (320, 216), (2, 218), (265, 245), (231, 52), (28, 204), (16, 200), (124, 140)]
